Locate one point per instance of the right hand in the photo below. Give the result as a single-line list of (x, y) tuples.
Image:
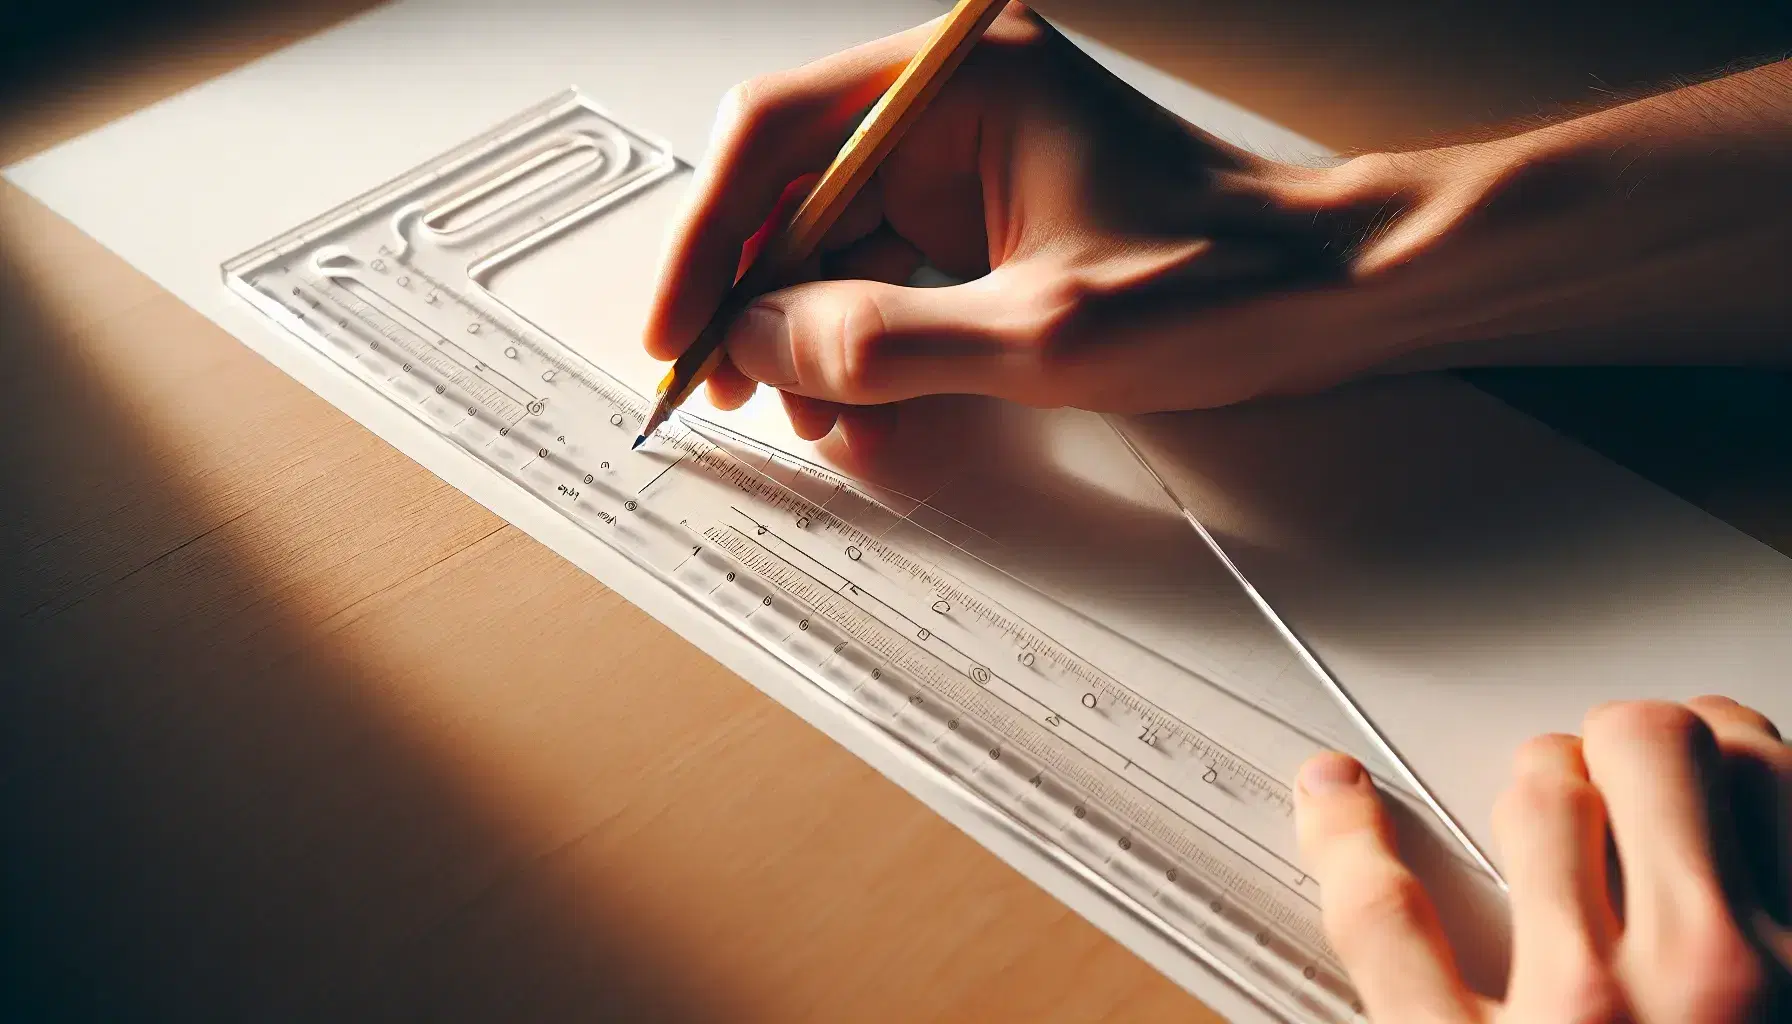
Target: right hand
[(1091, 224)]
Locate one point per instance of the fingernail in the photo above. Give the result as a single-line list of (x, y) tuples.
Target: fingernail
[(1328, 773), (759, 344)]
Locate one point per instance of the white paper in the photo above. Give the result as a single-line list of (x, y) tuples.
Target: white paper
[(1474, 578)]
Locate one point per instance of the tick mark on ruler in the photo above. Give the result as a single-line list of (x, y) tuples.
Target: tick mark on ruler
[(761, 527), (656, 476)]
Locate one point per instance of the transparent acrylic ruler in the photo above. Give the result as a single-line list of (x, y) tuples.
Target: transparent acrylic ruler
[(1168, 818)]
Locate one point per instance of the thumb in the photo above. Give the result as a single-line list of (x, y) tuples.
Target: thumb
[(1380, 920), (868, 343)]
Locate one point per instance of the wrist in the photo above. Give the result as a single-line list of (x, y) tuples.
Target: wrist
[(1466, 245), (1650, 231)]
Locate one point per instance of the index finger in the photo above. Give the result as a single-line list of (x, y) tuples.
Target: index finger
[(769, 132)]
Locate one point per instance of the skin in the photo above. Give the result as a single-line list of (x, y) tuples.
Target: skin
[(1649, 859), (1116, 258)]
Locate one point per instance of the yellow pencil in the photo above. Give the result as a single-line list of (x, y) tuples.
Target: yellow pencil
[(877, 134)]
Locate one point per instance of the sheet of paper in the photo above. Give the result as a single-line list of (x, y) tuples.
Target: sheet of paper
[(1472, 577)]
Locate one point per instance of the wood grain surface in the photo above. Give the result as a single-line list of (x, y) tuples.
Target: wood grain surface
[(291, 730)]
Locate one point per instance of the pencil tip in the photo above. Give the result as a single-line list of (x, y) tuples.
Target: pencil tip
[(639, 441)]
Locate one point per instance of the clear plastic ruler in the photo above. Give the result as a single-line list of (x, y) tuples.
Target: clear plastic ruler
[(1059, 737)]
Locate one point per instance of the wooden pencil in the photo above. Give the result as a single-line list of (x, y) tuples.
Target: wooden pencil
[(851, 168)]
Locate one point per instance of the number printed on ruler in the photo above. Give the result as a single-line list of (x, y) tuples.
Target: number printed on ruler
[(1162, 817)]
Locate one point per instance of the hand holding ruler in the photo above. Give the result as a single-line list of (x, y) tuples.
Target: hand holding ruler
[(1158, 814)]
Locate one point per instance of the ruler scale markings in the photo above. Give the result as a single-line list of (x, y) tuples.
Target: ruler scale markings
[(503, 405), (962, 691), (1025, 639), (1224, 759)]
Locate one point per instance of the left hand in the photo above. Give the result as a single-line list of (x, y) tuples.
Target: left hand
[(1696, 798)]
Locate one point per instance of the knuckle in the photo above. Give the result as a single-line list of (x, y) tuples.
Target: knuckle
[(1646, 720), (1714, 701), (1377, 899), (1547, 783), (864, 347), (1376, 189), (1364, 179), (1017, 28), (1547, 748), (749, 105), (1535, 796), (1717, 706), (1552, 793), (1059, 311), (1548, 754), (735, 109)]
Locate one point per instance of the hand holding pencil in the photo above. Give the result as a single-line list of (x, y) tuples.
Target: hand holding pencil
[(1080, 214), (838, 185)]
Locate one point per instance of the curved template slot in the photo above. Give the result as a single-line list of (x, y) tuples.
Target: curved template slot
[(554, 165)]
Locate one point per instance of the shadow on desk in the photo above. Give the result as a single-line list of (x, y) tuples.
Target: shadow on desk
[(214, 810)]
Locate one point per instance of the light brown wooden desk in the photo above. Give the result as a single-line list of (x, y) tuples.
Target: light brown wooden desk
[(292, 730)]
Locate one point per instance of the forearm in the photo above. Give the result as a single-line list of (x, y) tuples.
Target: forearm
[(1657, 231)]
